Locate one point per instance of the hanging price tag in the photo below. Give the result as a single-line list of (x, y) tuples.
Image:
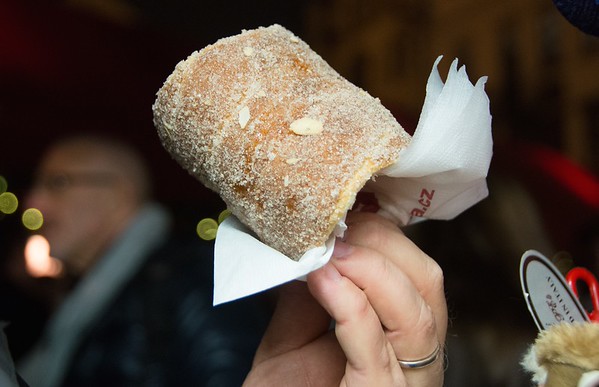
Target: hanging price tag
[(548, 296)]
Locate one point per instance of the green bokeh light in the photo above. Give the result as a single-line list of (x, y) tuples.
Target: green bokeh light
[(8, 202), (3, 184), (206, 229), (223, 215), (32, 218)]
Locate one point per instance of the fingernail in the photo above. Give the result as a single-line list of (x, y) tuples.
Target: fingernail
[(341, 249)]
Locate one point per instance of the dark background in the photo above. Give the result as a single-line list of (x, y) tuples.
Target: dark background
[(65, 69), (95, 65)]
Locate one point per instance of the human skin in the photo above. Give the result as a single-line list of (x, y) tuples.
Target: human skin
[(90, 208), (387, 299)]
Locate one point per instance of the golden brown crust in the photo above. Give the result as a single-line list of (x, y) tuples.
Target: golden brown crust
[(225, 115)]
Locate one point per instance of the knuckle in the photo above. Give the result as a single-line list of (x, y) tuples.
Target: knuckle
[(367, 233), (362, 306), (436, 278), (427, 321), (436, 275)]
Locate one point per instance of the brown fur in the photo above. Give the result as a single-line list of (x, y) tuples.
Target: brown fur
[(563, 375), (564, 352), (575, 345)]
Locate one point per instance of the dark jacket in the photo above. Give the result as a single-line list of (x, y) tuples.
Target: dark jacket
[(163, 330)]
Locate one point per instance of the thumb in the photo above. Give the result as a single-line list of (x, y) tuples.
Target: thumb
[(298, 319)]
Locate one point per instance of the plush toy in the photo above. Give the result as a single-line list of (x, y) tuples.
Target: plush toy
[(565, 355)]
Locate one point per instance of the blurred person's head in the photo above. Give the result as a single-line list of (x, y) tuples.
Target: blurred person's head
[(88, 189)]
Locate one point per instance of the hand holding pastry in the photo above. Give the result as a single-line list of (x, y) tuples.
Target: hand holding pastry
[(387, 300)]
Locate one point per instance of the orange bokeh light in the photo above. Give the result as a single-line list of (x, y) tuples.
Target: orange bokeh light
[(38, 261)]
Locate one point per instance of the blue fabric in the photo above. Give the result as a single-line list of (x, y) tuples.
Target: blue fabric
[(583, 14), (8, 376)]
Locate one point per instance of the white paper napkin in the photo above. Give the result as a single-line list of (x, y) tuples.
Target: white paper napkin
[(440, 174)]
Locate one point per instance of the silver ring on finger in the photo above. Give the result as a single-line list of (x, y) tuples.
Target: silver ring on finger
[(420, 363)]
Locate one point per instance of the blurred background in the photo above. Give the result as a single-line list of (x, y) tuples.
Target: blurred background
[(73, 65)]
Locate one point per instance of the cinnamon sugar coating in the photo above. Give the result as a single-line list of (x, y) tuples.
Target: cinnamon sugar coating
[(225, 115)]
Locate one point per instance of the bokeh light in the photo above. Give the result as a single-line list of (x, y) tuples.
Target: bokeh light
[(32, 219), (223, 215), (38, 261), (8, 202), (206, 229), (3, 184)]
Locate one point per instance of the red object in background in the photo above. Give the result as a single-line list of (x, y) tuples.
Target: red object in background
[(581, 274), (582, 184), (566, 194), (25, 48)]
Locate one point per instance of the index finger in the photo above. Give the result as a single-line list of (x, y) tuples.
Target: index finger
[(374, 232), (404, 285)]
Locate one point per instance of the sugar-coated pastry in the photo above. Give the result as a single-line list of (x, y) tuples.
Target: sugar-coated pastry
[(285, 140)]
